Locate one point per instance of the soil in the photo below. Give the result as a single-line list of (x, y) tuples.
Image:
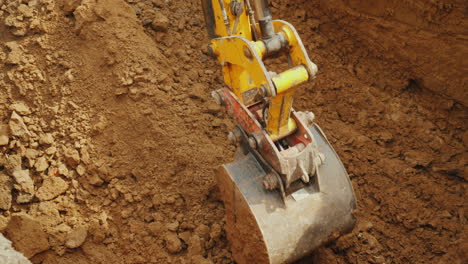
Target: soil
[(109, 137)]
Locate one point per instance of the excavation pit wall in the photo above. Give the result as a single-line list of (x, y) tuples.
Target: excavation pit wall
[(109, 137)]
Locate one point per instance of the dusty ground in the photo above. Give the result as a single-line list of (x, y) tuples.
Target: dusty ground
[(109, 137)]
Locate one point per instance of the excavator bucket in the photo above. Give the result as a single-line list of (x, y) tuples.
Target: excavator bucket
[(264, 228)]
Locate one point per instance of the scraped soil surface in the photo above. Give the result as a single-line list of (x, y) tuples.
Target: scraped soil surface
[(109, 138)]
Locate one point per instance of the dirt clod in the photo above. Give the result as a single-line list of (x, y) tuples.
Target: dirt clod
[(24, 181), (160, 22), (76, 237), (173, 243), (17, 126), (195, 246), (20, 108), (51, 188), (41, 164), (72, 157), (46, 139), (203, 231), (27, 235)]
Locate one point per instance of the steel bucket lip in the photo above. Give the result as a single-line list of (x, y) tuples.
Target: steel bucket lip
[(328, 210)]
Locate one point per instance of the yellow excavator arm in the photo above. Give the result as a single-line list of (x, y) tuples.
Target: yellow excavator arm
[(241, 45), (286, 192)]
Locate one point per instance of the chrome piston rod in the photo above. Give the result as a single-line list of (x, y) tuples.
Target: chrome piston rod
[(263, 16)]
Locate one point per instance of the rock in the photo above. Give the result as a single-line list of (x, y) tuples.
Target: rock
[(13, 162), (51, 150), (415, 158), (99, 127), (17, 126), (23, 197), (185, 236), (31, 154), (173, 243), (20, 108), (24, 181), (58, 235), (69, 76), (85, 13), (94, 179), (25, 10), (160, 23), (41, 164), (4, 135), (51, 188), (195, 246), (80, 169), (155, 228), (72, 157), (203, 231), (84, 155), (5, 192), (212, 108), (197, 91), (364, 226), (63, 170), (76, 237), (46, 139), (27, 235), (121, 91), (15, 55), (173, 226), (8, 255)]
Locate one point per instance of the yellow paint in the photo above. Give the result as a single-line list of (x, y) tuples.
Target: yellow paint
[(279, 122), (244, 71), (241, 73), (260, 48), (296, 48), (290, 78)]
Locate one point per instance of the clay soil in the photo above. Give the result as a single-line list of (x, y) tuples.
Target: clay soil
[(109, 138)]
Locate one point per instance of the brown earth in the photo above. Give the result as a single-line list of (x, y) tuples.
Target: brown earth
[(109, 137)]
